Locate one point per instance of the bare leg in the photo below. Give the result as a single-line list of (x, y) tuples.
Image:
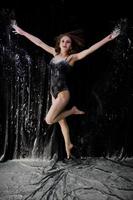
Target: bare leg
[(56, 112), (66, 135)]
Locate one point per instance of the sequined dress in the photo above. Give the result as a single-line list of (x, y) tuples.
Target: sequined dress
[(58, 76)]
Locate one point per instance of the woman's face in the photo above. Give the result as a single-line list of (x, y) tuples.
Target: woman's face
[(65, 43)]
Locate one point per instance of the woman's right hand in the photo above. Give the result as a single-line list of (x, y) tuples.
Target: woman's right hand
[(17, 30)]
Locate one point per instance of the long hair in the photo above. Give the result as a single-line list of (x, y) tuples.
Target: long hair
[(77, 39)]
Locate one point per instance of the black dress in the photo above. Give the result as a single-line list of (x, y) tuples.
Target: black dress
[(58, 76)]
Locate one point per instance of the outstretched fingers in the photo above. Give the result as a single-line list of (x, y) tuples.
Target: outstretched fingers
[(115, 33)]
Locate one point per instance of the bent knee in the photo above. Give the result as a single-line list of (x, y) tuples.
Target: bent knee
[(48, 120)]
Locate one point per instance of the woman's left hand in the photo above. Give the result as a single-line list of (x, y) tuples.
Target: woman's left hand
[(115, 33)]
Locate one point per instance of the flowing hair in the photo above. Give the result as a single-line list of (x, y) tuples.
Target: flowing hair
[(77, 39)]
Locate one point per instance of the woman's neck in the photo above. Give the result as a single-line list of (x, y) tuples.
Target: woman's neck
[(63, 54)]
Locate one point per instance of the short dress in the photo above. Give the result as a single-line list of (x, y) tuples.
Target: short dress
[(58, 76)]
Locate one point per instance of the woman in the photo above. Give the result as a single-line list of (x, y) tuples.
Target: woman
[(64, 57)]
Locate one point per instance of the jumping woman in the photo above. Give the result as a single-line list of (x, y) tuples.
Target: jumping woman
[(65, 54)]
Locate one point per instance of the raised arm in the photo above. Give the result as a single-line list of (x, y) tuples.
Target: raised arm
[(34, 39), (97, 45)]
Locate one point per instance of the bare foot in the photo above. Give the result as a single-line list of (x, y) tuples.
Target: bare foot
[(76, 111), (68, 150)]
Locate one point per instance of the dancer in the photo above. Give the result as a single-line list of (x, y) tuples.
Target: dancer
[(65, 54)]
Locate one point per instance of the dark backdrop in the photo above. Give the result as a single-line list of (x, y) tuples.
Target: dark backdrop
[(101, 84)]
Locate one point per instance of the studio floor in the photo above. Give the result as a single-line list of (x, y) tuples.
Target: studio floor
[(86, 179)]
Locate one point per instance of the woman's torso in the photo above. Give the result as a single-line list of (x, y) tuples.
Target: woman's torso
[(59, 72)]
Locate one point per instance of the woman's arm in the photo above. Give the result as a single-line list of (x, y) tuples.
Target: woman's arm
[(97, 45), (34, 39)]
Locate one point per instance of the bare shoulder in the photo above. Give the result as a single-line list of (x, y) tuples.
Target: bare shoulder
[(54, 52), (72, 59)]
